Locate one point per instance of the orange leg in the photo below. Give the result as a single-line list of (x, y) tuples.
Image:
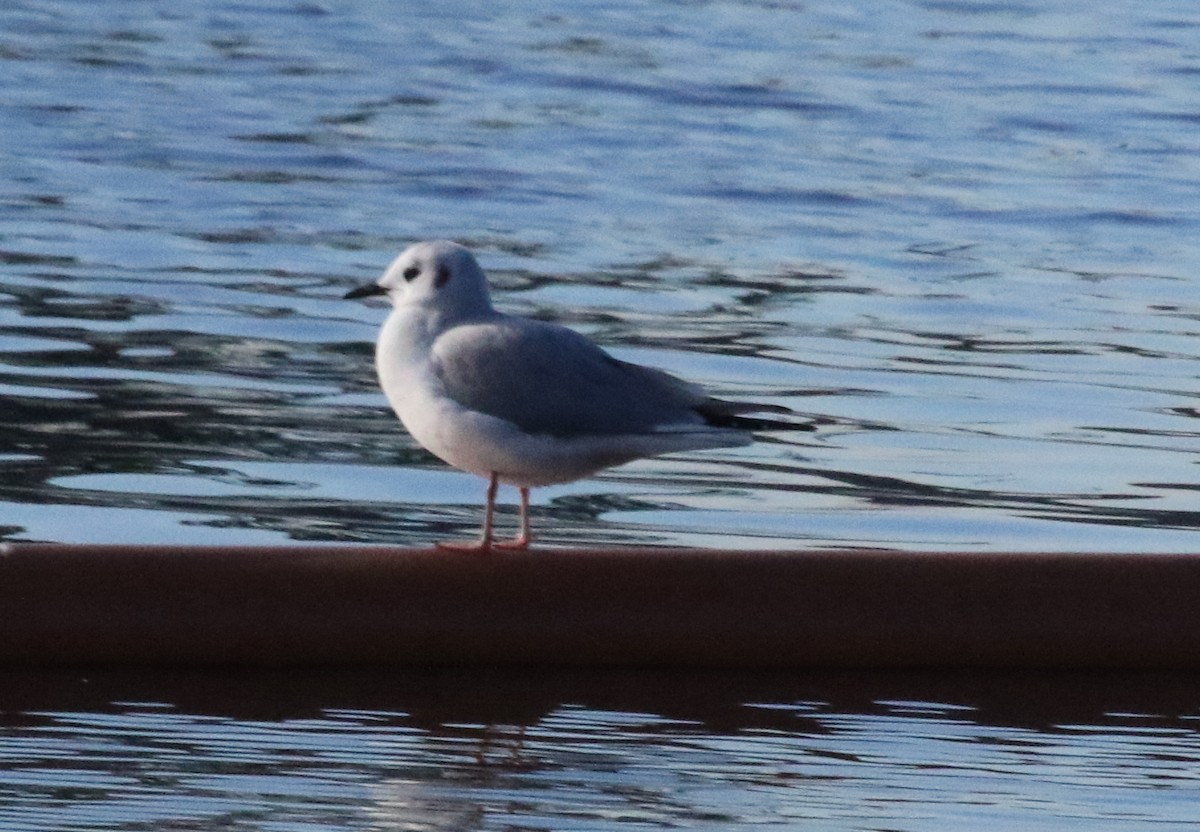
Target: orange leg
[(488, 542), (521, 541), (484, 544)]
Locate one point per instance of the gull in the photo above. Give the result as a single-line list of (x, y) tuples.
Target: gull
[(526, 402)]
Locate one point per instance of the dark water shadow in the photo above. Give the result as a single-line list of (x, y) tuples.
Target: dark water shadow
[(714, 702)]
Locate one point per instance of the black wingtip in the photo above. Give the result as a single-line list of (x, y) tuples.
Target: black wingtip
[(756, 424), (723, 414)]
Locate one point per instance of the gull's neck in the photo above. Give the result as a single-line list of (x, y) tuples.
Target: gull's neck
[(418, 325)]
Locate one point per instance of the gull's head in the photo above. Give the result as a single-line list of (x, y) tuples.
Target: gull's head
[(440, 275)]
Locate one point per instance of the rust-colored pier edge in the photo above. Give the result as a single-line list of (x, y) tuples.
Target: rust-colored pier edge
[(347, 605)]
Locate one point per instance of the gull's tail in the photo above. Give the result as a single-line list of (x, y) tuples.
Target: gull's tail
[(723, 414)]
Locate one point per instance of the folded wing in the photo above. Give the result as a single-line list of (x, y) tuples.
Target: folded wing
[(547, 379)]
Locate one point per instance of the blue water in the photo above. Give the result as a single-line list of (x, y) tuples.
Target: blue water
[(962, 234), (487, 751)]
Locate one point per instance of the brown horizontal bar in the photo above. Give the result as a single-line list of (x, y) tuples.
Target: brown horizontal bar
[(345, 605)]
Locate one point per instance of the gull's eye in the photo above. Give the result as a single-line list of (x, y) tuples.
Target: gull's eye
[(411, 273), (443, 276)]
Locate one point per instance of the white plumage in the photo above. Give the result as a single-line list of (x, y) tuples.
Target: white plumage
[(526, 402)]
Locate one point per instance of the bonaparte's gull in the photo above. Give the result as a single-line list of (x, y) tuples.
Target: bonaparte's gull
[(526, 402)]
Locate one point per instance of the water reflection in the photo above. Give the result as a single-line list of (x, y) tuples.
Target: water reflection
[(434, 750)]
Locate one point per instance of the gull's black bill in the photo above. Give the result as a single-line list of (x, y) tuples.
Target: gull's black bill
[(367, 291)]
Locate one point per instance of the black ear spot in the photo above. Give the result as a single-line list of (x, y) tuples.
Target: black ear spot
[(443, 277), (411, 273)]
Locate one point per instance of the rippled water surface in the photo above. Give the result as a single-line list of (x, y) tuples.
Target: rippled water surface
[(963, 234), (494, 752)]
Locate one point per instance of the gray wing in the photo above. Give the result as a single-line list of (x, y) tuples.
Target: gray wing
[(547, 379)]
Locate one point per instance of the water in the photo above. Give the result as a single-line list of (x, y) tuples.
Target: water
[(964, 234), (615, 751)]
